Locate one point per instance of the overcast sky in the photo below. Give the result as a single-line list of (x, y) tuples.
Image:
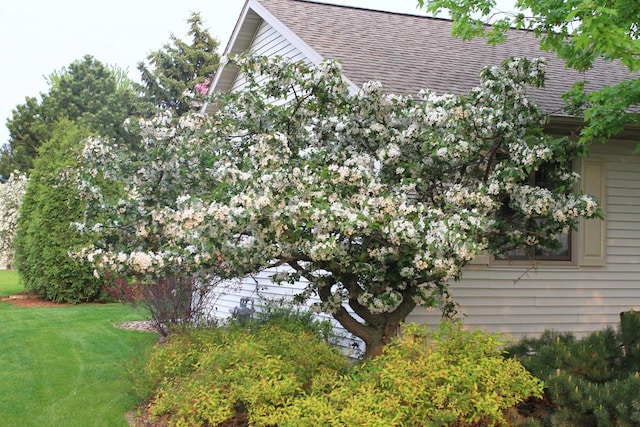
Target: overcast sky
[(38, 37)]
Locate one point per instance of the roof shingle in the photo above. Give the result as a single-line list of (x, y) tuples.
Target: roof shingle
[(407, 53)]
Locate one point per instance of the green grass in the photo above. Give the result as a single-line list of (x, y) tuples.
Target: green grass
[(67, 366), (9, 283)]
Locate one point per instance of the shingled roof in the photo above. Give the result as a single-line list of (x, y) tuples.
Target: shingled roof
[(407, 52)]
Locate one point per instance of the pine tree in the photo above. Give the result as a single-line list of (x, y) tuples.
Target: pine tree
[(178, 68)]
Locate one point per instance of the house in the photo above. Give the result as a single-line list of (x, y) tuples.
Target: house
[(598, 276)]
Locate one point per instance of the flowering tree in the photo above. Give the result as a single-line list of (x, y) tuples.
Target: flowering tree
[(377, 200), (11, 195)]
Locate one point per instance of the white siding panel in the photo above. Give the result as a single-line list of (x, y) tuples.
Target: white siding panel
[(268, 42), (572, 299), (261, 289)]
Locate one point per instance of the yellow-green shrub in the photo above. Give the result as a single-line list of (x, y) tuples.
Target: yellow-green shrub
[(204, 377), (179, 357), (448, 378), (284, 375)]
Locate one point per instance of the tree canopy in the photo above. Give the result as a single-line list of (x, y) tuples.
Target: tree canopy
[(87, 91), (580, 32), (172, 75), (376, 200)]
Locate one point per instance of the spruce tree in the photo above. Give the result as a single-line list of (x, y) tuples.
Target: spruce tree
[(178, 67)]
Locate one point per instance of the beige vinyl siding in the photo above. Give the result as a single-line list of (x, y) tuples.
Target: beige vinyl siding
[(268, 42), (525, 299)]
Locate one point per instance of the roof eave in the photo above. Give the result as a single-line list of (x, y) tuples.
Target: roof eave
[(566, 125)]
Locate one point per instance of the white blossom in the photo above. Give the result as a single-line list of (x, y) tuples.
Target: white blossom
[(11, 194)]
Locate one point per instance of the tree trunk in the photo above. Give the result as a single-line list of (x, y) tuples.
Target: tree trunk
[(375, 342), (378, 329)]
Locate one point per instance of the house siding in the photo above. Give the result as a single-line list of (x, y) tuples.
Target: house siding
[(262, 290), (269, 42)]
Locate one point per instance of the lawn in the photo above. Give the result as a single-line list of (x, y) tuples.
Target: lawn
[(67, 365), (9, 283)]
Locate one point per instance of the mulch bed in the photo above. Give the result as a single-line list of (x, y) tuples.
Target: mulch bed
[(24, 299)]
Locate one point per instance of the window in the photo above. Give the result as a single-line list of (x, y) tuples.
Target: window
[(586, 247), (543, 177), (543, 254)]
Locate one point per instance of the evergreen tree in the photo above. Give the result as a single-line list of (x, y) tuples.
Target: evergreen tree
[(99, 96), (27, 128), (45, 236), (178, 68)]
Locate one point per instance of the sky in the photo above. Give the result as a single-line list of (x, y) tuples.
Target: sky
[(38, 37)]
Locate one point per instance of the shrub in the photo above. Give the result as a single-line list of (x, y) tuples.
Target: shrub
[(208, 376), (592, 381), (290, 315), (11, 195), (448, 378), (276, 374), (630, 338), (172, 301)]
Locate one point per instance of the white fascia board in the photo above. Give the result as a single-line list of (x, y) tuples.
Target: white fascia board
[(230, 43)]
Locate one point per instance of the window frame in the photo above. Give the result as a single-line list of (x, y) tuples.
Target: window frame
[(566, 256), (588, 242)]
